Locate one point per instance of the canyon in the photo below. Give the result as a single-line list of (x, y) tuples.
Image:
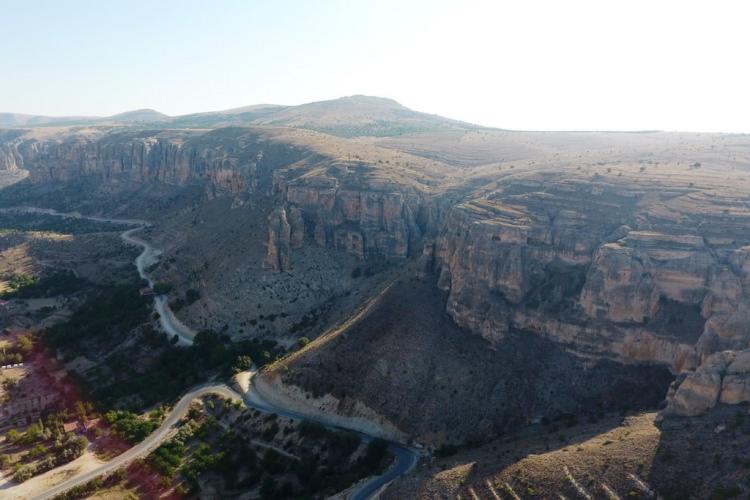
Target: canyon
[(511, 277)]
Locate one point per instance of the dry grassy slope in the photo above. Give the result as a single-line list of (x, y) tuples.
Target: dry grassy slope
[(406, 360), (679, 458)]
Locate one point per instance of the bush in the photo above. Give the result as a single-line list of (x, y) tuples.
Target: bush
[(38, 450), (242, 363), (23, 473), (268, 488), (13, 436)]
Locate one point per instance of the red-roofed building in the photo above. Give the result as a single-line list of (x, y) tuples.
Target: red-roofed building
[(70, 427)]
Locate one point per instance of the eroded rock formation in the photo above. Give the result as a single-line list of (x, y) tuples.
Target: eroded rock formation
[(370, 220)]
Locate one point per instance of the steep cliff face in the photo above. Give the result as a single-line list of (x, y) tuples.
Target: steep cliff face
[(497, 254), (608, 270), (368, 219), (233, 160), (340, 204), (10, 159)]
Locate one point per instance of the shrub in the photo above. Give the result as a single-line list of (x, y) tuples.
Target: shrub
[(23, 473)]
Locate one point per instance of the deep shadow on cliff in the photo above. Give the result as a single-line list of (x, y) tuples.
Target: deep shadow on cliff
[(409, 362)]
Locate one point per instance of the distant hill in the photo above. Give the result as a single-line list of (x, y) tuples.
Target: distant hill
[(139, 116), (346, 117), (10, 120), (359, 116)]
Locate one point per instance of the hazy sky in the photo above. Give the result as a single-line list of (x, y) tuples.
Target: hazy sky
[(556, 65)]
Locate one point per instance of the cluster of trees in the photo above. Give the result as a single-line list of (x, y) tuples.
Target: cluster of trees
[(114, 312), (108, 316), (66, 450), (24, 286), (49, 448), (167, 458), (179, 367), (19, 351), (65, 225), (96, 484), (20, 280), (326, 465), (129, 426)]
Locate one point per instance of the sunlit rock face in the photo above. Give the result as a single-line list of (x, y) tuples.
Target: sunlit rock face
[(636, 285), (368, 222), (629, 277)]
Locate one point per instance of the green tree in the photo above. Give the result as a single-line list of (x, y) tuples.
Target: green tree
[(242, 363), (25, 344), (13, 436), (80, 410)]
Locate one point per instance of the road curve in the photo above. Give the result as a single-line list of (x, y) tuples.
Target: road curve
[(405, 457), (144, 447)]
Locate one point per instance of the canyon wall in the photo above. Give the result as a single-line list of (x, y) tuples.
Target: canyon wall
[(599, 269), (232, 160), (372, 220)]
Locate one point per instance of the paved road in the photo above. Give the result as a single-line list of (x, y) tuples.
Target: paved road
[(144, 447), (149, 256), (405, 459)]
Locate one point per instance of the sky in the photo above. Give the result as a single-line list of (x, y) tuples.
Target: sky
[(526, 64)]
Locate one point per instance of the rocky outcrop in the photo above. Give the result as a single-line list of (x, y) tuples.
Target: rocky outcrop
[(491, 255), (723, 377), (10, 159), (279, 240), (629, 277), (285, 231)]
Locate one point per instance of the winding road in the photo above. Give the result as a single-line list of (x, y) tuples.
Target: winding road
[(405, 456)]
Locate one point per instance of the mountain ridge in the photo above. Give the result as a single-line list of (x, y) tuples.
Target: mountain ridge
[(349, 116)]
